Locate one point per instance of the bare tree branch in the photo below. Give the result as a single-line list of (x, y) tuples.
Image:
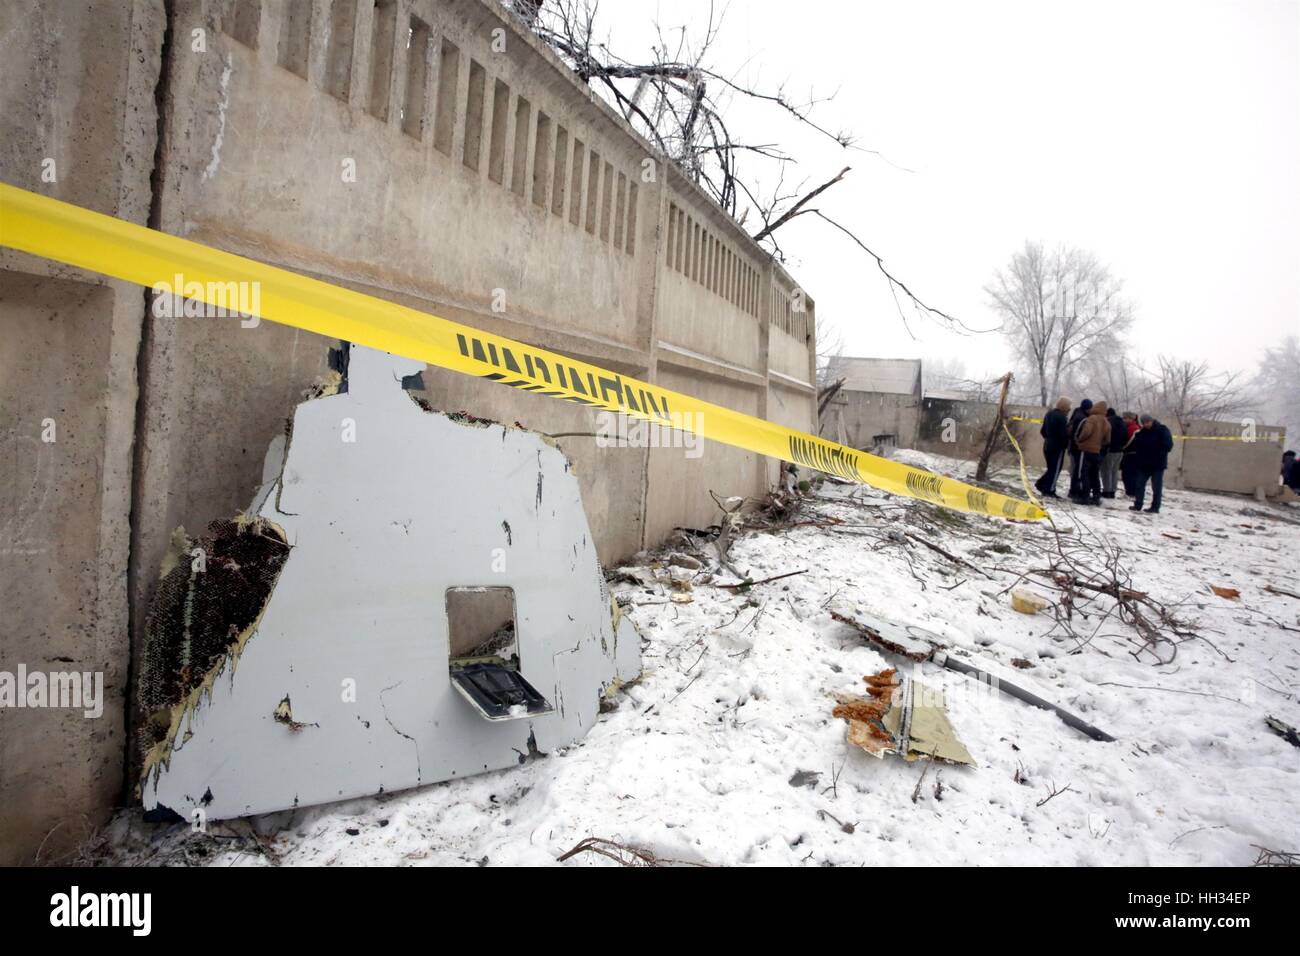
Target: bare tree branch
[(671, 97), (895, 282), (1188, 391), (795, 209)]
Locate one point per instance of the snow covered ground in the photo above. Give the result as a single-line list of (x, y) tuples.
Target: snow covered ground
[(726, 752)]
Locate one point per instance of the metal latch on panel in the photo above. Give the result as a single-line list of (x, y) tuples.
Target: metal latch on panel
[(496, 690)]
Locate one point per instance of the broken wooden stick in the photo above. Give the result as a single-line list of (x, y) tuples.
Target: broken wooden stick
[(951, 557), (1053, 792), (991, 440), (747, 583), (622, 853), (916, 794)]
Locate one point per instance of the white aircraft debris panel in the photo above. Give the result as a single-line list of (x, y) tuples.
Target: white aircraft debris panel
[(431, 606)]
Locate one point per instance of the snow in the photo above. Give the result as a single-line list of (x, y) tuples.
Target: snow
[(710, 756)]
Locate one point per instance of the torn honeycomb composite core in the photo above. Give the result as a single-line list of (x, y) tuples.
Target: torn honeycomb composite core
[(215, 590)]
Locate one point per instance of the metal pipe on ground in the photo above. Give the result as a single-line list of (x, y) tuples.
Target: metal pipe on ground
[(944, 660)]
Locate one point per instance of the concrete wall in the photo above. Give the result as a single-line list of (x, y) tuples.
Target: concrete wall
[(958, 428), (76, 88), (1243, 467), (441, 171)]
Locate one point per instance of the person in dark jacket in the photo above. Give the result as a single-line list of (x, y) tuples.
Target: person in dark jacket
[(1151, 447), (1056, 436), (1127, 468), (1093, 439), (1076, 419), (1290, 471), (1115, 452)]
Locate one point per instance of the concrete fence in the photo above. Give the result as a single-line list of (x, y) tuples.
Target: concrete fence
[(431, 152)]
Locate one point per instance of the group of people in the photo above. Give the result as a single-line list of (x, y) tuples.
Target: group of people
[(1105, 450)]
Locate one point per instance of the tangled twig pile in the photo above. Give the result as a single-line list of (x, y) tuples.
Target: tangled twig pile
[(622, 854), (1089, 568), (1088, 571), (1269, 857)]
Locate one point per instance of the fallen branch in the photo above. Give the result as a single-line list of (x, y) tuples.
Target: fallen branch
[(727, 527), (951, 557), (1269, 857), (846, 827), (1221, 826), (746, 584), (622, 854), (824, 523), (1055, 793), (1171, 690), (916, 794)]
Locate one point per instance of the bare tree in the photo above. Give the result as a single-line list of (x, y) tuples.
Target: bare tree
[(677, 98), (1113, 376), (830, 355), (1187, 391), (942, 374), (1278, 380), (950, 375), (1058, 307)]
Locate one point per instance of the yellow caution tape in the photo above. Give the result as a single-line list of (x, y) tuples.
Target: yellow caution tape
[(1024, 475), (1039, 421), (90, 240)]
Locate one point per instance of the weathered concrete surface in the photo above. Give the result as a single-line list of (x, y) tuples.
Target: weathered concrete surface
[(958, 428), (1242, 467), (679, 486), (76, 87)]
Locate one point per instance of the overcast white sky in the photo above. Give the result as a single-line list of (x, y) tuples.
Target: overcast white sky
[(1162, 136)]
